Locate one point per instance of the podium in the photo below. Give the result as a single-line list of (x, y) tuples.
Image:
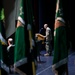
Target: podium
[(40, 40), (39, 37)]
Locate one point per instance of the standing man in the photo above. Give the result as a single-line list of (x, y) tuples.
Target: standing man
[(48, 40), (10, 50)]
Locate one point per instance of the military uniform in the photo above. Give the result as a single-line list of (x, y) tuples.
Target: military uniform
[(48, 41)]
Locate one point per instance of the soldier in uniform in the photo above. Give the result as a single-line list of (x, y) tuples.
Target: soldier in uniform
[(10, 50), (48, 37)]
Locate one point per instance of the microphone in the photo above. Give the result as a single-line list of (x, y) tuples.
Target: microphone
[(40, 30)]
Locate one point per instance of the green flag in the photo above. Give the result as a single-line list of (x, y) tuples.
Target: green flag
[(3, 42), (31, 31), (60, 58), (20, 57), (24, 41), (2, 31)]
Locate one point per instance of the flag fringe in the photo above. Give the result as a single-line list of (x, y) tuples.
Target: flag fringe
[(62, 62), (21, 62), (4, 66), (20, 19)]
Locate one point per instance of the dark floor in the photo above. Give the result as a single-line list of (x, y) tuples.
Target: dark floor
[(44, 68)]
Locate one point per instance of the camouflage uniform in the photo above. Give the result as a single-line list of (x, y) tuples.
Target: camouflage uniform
[(48, 40)]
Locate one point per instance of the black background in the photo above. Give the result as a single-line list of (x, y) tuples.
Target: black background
[(45, 9)]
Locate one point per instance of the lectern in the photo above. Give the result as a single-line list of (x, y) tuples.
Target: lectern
[(39, 39)]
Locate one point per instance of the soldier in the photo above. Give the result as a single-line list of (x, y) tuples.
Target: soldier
[(10, 50), (48, 40)]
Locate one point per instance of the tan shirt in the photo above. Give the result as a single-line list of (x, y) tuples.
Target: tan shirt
[(48, 34)]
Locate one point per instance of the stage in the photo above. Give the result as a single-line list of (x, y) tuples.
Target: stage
[(44, 68)]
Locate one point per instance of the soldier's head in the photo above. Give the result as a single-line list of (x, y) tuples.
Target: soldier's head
[(45, 26), (10, 41)]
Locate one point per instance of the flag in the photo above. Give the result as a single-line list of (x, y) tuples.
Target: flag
[(60, 58), (30, 27), (20, 45), (3, 42), (24, 41)]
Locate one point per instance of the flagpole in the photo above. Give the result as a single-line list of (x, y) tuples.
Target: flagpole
[(33, 64), (29, 27), (29, 11), (0, 71), (67, 69), (30, 38)]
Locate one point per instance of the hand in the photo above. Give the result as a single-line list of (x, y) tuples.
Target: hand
[(44, 36)]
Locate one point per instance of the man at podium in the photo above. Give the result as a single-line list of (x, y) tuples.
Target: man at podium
[(48, 37)]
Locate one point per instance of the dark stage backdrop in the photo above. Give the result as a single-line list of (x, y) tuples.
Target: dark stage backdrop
[(44, 12), (72, 22)]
